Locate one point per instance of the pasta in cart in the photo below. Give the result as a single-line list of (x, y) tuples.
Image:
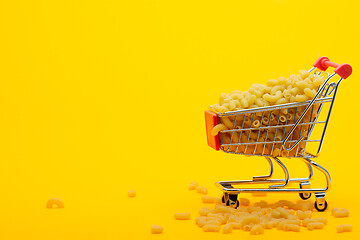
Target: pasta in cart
[(279, 119)]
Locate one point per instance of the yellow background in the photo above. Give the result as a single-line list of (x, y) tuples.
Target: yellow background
[(99, 97)]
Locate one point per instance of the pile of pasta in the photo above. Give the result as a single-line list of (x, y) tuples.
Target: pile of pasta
[(255, 218), (296, 88)]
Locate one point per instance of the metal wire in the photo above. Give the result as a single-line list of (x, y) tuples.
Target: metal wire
[(248, 135)]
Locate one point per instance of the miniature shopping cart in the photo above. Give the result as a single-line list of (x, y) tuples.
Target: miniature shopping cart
[(299, 126)]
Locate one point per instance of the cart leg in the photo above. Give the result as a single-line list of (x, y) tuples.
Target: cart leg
[(230, 199), (306, 184), (320, 202), (225, 197), (305, 195), (286, 174), (310, 170), (259, 178), (321, 169)]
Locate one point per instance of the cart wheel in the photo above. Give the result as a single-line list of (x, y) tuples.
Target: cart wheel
[(321, 208), (305, 196), (233, 201), (233, 204), (223, 199)]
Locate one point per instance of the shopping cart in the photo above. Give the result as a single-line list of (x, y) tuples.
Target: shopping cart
[(298, 134)]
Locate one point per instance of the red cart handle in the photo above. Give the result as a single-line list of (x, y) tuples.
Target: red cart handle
[(343, 70)]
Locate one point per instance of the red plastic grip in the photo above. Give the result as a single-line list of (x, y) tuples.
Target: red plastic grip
[(211, 122), (343, 70)]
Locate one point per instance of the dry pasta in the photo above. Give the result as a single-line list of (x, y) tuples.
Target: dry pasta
[(182, 216), (296, 88), (193, 185), (201, 190), (156, 229), (244, 201), (206, 199), (211, 228), (204, 211), (315, 225), (306, 221), (344, 228), (257, 229), (291, 227), (303, 214), (255, 218), (55, 201), (227, 228), (340, 213)]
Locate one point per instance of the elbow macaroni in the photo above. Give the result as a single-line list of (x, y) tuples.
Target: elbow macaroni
[(315, 225), (283, 215), (344, 228), (182, 216), (58, 203), (156, 229), (340, 213), (257, 229), (297, 88)]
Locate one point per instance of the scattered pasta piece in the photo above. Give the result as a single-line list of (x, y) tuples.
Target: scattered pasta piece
[(223, 209), (283, 212), (54, 201), (218, 216), (315, 225), (344, 228), (257, 229), (303, 214), (193, 185), (156, 229), (206, 199), (227, 228), (131, 193), (211, 228), (251, 219), (244, 201), (306, 221), (292, 217), (209, 221), (204, 211), (201, 190), (182, 216), (236, 225), (281, 225), (261, 204), (255, 218), (291, 227), (268, 224), (340, 213)]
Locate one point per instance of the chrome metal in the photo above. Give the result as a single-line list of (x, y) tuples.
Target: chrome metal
[(269, 108), (323, 101), (224, 185), (320, 199), (326, 94), (259, 178), (286, 175), (323, 170), (305, 185), (328, 116), (311, 173), (303, 115)]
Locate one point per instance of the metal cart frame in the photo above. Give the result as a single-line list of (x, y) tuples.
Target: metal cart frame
[(326, 93)]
